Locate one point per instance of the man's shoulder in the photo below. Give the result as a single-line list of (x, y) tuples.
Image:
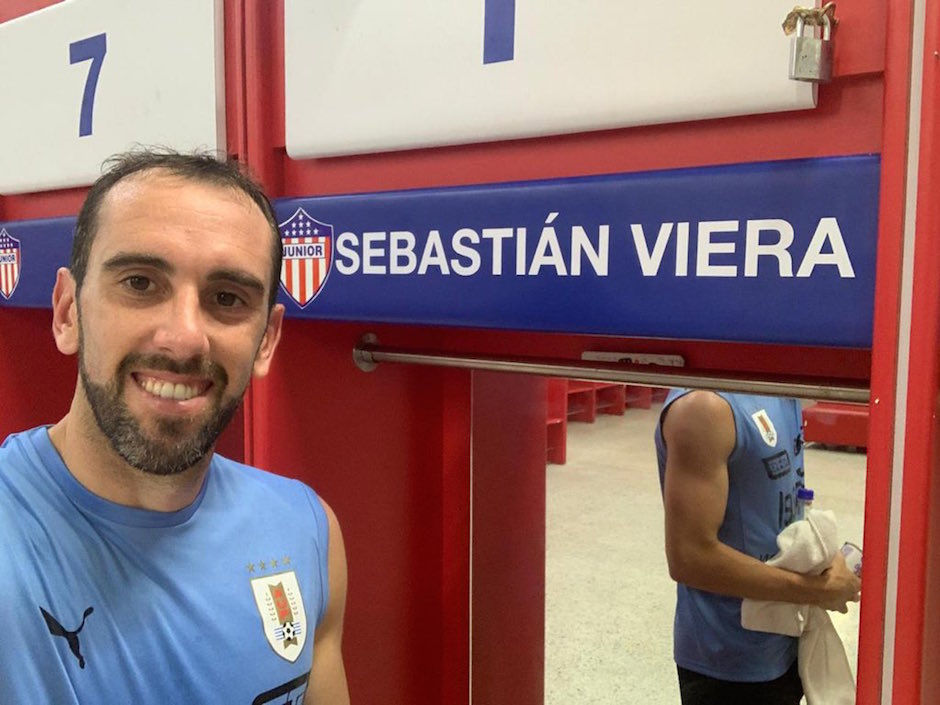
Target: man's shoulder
[(699, 406), (28, 506), (20, 454), (16, 443), (250, 480)]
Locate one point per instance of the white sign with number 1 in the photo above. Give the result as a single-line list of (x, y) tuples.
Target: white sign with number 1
[(374, 75), (84, 79)]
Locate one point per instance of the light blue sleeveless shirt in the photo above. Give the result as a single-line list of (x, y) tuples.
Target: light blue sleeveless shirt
[(102, 603), (765, 470)]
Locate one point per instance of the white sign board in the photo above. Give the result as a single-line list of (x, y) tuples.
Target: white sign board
[(375, 75), (83, 79)]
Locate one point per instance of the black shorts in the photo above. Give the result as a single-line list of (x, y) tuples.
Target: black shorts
[(697, 689)]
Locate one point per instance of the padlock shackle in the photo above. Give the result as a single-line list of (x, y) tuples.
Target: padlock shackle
[(826, 25)]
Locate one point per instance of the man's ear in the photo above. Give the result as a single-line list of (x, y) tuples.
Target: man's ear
[(65, 312), (272, 335)]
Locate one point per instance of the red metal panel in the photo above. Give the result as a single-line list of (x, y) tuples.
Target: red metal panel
[(36, 380), (456, 493), (836, 424), (556, 421), (11, 9), (884, 352), (859, 39), (508, 539), (916, 644)]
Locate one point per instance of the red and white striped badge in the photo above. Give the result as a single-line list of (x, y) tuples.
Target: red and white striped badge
[(308, 256), (11, 261)]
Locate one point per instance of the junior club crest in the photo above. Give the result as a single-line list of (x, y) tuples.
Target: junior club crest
[(11, 260), (308, 256), (766, 427), (283, 618)]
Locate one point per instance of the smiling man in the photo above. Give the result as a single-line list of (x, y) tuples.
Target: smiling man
[(141, 567)]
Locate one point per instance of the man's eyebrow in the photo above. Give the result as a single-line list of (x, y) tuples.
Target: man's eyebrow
[(235, 276), (131, 259)]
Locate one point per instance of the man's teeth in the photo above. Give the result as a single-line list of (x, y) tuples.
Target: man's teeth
[(168, 390)]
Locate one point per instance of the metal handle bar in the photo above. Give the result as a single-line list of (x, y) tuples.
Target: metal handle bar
[(368, 354)]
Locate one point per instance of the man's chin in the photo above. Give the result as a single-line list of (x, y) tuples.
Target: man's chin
[(157, 457)]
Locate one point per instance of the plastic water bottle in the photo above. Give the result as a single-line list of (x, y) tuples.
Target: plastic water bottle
[(804, 498), (851, 552)]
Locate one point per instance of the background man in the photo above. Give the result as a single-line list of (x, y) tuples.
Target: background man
[(730, 466), (140, 567)]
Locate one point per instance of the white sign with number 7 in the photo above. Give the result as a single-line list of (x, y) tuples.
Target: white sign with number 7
[(84, 79)]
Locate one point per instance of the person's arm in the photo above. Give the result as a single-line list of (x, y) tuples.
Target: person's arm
[(700, 436), (327, 683)]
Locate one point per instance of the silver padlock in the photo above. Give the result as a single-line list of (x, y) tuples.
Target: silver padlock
[(811, 57)]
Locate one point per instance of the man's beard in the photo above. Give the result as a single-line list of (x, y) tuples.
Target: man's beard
[(169, 451)]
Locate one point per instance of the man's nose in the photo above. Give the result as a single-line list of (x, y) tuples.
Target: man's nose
[(182, 331)]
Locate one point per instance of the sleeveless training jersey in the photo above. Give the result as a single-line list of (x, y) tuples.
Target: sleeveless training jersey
[(102, 603), (765, 470)]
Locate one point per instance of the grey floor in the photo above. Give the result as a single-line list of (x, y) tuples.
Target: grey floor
[(609, 598)]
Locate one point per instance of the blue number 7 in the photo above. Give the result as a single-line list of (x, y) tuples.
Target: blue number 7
[(90, 49)]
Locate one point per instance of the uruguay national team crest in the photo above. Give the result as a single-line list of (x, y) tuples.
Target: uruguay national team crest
[(11, 260), (766, 427), (282, 613), (308, 256)]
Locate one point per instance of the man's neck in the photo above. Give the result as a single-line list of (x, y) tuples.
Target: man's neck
[(92, 461)]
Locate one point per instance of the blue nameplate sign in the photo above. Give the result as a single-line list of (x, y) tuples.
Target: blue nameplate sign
[(778, 252)]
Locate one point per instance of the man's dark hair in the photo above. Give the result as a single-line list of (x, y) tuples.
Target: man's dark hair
[(199, 167)]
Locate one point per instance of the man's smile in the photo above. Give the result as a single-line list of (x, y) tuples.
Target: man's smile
[(168, 389)]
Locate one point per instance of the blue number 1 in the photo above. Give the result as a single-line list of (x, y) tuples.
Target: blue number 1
[(90, 49), (499, 31)]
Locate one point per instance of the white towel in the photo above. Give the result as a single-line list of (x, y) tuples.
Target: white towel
[(808, 546)]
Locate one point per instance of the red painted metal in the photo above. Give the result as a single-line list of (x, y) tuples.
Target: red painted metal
[(916, 680), (11, 9), (456, 497), (925, 358), (859, 38), (884, 350), (556, 421), (36, 382), (508, 539), (836, 424)]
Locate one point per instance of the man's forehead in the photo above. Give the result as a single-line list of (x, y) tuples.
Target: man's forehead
[(160, 182), (149, 211)]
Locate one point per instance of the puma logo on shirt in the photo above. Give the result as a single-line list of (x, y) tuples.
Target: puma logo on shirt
[(57, 629)]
